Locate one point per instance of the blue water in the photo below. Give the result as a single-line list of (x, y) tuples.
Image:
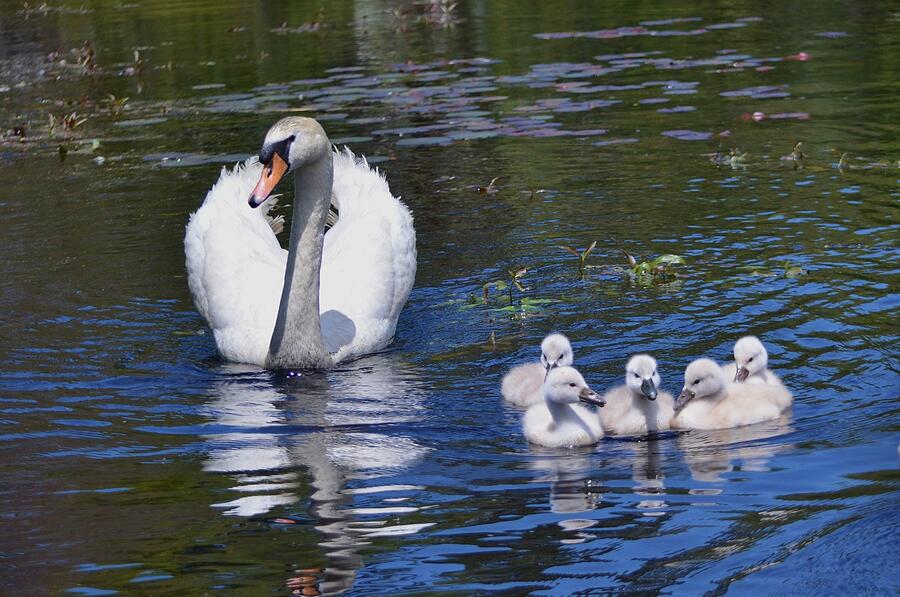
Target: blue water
[(134, 459)]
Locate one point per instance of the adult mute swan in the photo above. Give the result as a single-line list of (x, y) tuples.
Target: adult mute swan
[(708, 401), (328, 298), (638, 406), (560, 420), (523, 385)]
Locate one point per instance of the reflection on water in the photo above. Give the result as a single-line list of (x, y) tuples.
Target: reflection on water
[(315, 432), (134, 460), (711, 454)]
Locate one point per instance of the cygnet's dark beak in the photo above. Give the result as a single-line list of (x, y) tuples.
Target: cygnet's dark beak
[(591, 397), (272, 173), (550, 366), (742, 374), (683, 398), (648, 389)]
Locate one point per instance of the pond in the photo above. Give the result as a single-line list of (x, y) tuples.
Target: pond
[(757, 140)]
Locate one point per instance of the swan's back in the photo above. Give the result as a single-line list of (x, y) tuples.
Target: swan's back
[(235, 265), (523, 385), (743, 404), (369, 257)]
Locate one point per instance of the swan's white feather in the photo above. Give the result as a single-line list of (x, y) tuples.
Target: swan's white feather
[(236, 265)]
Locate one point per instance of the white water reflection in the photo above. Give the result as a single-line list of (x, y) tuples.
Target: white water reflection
[(306, 438), (711, 454), (648, 476)]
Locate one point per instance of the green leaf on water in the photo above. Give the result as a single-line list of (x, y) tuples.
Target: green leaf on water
[(667, 260), (793, 271)]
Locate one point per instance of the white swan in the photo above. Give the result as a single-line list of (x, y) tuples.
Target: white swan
[(708, 401), (638, 406), (523, 385), (751, 361), (332, 296), (560, 421)]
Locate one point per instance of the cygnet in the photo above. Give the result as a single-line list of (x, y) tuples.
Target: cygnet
[(523, 385), (560, 421), (639, 406), (708, 401), (750, 366)]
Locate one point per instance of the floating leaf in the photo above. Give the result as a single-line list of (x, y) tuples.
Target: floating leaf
[(667, 260)]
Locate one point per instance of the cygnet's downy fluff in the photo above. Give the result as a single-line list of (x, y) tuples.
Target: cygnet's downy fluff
[(523, 384), (751, 361), (560, 421), (638, 406), (708, 401)]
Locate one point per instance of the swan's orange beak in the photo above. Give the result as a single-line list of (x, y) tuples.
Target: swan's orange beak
[(271, 174)]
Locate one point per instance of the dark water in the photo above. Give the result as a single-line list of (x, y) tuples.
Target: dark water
[(134, 460)]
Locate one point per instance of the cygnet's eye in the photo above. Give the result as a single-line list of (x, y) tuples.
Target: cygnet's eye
[(572, 385), (696, 381), (636, 375), (751, 360), (561, 355)]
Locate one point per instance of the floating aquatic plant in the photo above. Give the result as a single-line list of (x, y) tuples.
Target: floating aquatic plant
[(654, 270), (793, 271), (735, 158), (116, 104), (581, 256), (491, 187)]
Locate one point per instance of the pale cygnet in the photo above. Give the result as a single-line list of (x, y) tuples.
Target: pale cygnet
[(523, 385), (639, 406), (560, 421), (751, 361), (708, 401)]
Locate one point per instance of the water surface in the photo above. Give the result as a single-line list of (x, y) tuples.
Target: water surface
[(134, 459)]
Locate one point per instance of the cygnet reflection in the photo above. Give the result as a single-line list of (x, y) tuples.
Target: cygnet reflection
[(648, 476), (710, 454), (567, 475)]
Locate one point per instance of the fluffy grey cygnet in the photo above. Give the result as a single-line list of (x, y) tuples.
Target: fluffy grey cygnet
[(523, 385), (751, 361), (638, 406), (560, 421), (708, 401)]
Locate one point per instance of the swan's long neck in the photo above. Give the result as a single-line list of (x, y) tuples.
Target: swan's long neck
[(562, 413), (297, 337)]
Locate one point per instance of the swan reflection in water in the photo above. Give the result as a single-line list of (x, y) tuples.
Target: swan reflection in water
[(269, 434), (710, 454)]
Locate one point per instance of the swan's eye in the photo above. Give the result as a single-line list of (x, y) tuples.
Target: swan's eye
[(636, 375), (561, 355), (696, 381), (571, 385), (751, 360)]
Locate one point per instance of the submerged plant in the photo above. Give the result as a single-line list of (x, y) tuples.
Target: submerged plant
[(581, 256)]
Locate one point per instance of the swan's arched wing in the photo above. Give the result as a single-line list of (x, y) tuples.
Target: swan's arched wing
[(235, 266), (369, 257)]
